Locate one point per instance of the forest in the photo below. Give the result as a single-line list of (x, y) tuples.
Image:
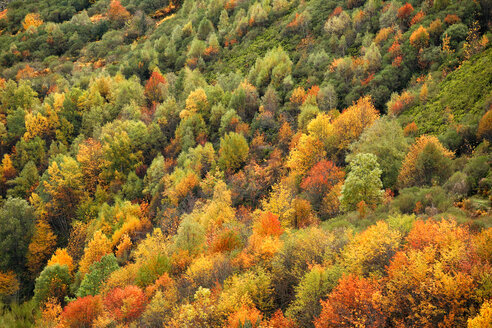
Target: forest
[(245, 163)]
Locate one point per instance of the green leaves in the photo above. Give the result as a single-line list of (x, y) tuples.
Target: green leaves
[(363, 182)]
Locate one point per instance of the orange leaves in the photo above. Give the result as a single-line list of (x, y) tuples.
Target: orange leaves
[(25, 73), (399, 103), (410, 129), (41, 246), (227, 241), (434, 280), (268, 225), (417, 18), (127, 304), (117, 12), (91, 159), (435, 234), (9, 284), (298, 96), (153, 87), (355, 302), (405, 11), (82, 312), (420, 38), (3, 14), (244, 315), (61, 257), (353, 120), (485, 126), (383, 35), (451, 19), (32, 20), (322, 177)]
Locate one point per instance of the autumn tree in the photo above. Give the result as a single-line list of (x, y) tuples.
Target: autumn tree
[(9, 284), (371, 250), (62, 257), (485, 126), (353, 303), (118, 13), (32, 20), (420, 37), (321, 178), (426, 161), (353, 120), (154, 88), (428, 282), (306, 154), (99, 246), (41, 247), (363, 182), (82, 312), (91, 160), (62, 190), (125, 304), (404, 13)]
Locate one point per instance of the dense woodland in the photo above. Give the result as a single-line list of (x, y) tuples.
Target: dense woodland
[(245, 163)]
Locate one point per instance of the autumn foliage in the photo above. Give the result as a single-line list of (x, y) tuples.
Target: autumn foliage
[(82, 312), (355, 302), (117, 12), (418, 168), (125, 304)]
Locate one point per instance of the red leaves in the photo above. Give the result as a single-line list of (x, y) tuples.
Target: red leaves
[(127, 304), (82, 312), (322, 177), (405, 11), (153, 86)]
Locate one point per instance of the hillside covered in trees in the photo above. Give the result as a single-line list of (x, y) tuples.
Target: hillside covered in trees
[(245, 163)]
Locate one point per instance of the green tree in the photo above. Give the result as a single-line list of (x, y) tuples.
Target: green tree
[(386, 140), (98, 273), (53, 282), (313, 288), (16, 229), (25, 182), (233, 151), (363, 182)]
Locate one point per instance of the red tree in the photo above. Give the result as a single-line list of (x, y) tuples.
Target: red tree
[(320, 180), (125, 305), (82, 312), (404, 12), (153, 88)]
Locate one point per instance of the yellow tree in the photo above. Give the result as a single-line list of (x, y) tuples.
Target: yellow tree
[(9, 284), (353, 120), (99, 246), (308, 152), (41, 247), (32, 20), (62, 257), (427, 160)]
